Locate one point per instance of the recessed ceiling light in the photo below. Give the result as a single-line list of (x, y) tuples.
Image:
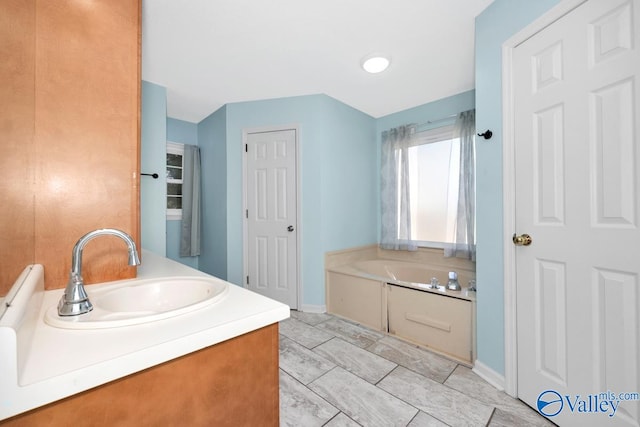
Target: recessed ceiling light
[(375, 63)]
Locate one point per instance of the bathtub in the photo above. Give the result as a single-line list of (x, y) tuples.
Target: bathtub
[(392, 297), (404, 273)]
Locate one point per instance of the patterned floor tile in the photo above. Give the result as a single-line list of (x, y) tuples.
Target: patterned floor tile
[(448, 405), (303, 334), (425, 420), (302, 363), (361, 401), (341, 420), (466, 381), (351, 332), (415, 358), (310, 318), (356, 360), (300, 407)]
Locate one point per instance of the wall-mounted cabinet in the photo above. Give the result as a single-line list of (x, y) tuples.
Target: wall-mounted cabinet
[(72, 73)]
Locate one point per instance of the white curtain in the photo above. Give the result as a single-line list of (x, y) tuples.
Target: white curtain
[(190, 229), (462, 238), (395, 203)]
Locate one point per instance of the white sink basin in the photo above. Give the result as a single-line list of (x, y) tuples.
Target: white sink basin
[(132, 302)]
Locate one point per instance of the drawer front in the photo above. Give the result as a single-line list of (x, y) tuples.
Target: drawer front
[(438, 322)]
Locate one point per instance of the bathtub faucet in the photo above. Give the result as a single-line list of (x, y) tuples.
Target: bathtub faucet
[(75, 300)]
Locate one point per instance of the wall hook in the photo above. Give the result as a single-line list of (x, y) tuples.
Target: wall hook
[(486, 134), (153, 175)]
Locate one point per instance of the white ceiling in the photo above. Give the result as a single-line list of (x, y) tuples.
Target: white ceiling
[(211, 52)]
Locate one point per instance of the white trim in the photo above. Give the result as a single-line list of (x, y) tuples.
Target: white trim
[(310, 308), (508, 187), (489, 375), (179, 146), (245, 254), (173, 148), (429, 136)]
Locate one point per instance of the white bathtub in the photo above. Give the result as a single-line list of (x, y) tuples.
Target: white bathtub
[(393, 297), (402, 272)]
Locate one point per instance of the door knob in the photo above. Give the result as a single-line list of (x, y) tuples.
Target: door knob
[(290, 228), (522, 240)]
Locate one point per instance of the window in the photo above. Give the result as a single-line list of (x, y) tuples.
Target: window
[(175, 164), (434, 166), (427, 188)]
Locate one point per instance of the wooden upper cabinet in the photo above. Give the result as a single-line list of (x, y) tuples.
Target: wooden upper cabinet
[(85, 152), (87, 134), (17, 118)]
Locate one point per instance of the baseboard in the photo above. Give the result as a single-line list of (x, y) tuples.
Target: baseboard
[(489, 375), (309, 308)]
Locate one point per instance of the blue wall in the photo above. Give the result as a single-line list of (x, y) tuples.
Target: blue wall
[(338, 178), (439, 109), (212, 139), (153, 192), (501, 20), (183, 133), (350, 177)]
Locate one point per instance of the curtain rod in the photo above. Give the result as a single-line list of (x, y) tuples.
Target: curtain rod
[(429, 122)]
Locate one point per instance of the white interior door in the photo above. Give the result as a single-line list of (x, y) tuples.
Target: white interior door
[(271, 215), (576, 93)]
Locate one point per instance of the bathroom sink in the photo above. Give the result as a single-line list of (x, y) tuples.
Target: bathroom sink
[(132, 302)]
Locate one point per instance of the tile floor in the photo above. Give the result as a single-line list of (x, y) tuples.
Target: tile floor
[(337, 373)]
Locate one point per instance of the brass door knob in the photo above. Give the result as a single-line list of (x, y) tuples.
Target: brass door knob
[(522, 240)]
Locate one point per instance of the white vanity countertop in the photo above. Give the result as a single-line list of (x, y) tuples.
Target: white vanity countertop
[(63, 362)]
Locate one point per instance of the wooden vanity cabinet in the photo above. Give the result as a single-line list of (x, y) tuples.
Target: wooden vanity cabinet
[(233, 383)]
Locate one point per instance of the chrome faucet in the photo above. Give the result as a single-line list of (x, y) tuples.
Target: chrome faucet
[(75, 300)]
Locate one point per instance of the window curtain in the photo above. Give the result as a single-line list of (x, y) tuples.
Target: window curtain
[(190, 229), (394, 195), (462, 237)]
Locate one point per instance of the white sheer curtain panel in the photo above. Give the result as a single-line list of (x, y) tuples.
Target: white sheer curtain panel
[(190, 229), (462, 240), (394, 185)]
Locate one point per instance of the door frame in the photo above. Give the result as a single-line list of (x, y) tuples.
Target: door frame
[(245, 231), (508, 186)]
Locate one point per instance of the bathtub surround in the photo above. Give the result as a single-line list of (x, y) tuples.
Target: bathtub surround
[(422, 256), (393, 297)]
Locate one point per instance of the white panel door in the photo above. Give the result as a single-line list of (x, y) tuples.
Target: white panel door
[(271, 215), (576, 94)]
